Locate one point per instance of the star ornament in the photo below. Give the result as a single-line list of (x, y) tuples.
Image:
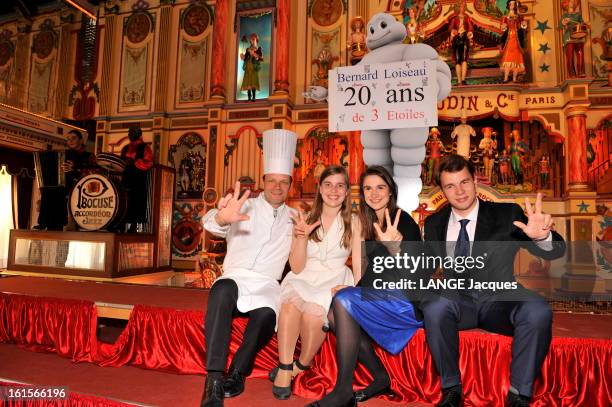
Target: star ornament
[(544, 68), (583, 207), (544, 48), (543, 26)]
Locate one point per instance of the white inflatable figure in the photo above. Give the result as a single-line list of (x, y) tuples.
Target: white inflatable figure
[(463, 132), (316, 93), (401, 151)]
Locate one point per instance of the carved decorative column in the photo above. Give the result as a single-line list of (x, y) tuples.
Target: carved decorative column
[(163, 51), (281, 72), (576, 148), (110, 25), (65, 73), (19, 90), (218, 50)]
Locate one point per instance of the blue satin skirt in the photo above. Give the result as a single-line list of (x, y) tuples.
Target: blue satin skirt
[(386, 315)]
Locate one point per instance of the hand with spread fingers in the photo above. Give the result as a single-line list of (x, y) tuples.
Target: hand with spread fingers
[(301, 228), (539, 224), (391, 237), (391, 234), (230, 206)]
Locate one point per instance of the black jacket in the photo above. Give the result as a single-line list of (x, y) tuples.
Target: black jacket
[(495, 235)]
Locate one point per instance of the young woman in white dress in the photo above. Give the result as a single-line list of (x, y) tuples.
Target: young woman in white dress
[(322, 242)]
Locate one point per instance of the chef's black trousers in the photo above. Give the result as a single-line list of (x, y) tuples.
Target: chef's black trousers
[(218, 329)]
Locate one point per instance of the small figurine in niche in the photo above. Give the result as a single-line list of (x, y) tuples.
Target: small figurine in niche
[(139, 158), (252, 58), (544, 169), (324, 61), (514, 28), (463, 132), (462, 31), (185, 170), (435, 147), (357, 43), (413, 29), (574, 34), (319, 165), (488, 145), (517, 150), (504, 167)]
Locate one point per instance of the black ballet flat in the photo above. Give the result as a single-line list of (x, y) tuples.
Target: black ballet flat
[(362, 396)]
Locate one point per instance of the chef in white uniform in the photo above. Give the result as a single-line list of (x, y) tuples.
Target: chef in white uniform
[(258, 233), (463, 132)]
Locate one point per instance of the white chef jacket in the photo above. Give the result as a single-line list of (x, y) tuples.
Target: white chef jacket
[(257, 251)]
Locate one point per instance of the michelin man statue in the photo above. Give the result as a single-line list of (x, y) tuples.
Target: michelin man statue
[(399, 150)]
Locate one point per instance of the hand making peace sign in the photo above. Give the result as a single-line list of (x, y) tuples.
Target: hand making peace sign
[(538, 223), (301, 229), (230, 205), (391, 234)]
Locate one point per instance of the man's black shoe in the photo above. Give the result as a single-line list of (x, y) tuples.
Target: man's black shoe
[(213, 392), (516, 400), (234, 383), (451, 397)]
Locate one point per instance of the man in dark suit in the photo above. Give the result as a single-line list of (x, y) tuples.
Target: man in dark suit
[(475, 227)]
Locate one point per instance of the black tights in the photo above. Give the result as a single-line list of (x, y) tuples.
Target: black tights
[(352, 344)]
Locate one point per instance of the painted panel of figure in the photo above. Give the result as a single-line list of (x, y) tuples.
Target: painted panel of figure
[(187, 230), (188, 157), (135, 59), (315, 152), (195, 19), (134, 76), (601, 34), (192, 77), (325, 55), (326, 12), (253, 67), (7, 54), (44, 45)]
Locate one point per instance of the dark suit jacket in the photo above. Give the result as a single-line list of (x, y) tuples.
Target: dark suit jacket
[(496, 236)]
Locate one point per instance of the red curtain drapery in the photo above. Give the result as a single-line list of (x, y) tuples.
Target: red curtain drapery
[(575, 372), (67, 327)]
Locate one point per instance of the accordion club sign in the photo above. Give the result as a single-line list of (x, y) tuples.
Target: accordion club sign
[(95, 202)]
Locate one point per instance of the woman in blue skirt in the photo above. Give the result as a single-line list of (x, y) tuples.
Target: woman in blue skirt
[(361, 314)]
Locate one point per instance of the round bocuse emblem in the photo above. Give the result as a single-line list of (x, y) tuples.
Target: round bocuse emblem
[(93, 202)]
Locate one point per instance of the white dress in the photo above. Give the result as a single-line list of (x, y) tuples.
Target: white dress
[(310, 290)]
